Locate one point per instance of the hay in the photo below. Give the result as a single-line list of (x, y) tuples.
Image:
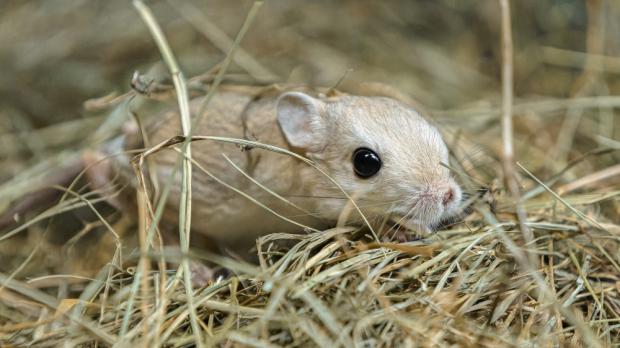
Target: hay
[(483, 281)]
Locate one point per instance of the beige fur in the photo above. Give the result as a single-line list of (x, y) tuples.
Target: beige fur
[(410, 185)]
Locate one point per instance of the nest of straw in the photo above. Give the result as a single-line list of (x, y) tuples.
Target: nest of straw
[(538, 269), (464, 286)]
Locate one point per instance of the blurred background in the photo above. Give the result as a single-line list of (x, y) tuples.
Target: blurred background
[(56, 55)]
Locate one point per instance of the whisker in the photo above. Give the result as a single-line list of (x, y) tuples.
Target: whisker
[(406, 216), (377, 204), (309, 196)]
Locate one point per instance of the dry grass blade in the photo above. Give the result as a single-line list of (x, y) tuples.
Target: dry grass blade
[(225, 44), (186, 188), (185, 211), (510, 176), (51, 302)]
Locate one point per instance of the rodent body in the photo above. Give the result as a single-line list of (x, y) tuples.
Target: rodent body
[(217, 211), (411, 185)]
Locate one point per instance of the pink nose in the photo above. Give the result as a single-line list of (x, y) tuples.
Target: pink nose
[(448, 197)]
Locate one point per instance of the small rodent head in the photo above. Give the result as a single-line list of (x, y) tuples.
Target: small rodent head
[(379, 150)]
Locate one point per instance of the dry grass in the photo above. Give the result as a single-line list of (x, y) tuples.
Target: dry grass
[(537, 264)]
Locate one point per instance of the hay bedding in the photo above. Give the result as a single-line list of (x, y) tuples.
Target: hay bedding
[(338, 287), (478, 282)]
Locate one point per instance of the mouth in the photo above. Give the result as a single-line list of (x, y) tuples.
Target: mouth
[(414, 223), (446, 222), (443, 222), (429, 217)]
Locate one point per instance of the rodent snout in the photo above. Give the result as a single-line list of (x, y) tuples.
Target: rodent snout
[(452, 196), (448, 196), (445, 194)]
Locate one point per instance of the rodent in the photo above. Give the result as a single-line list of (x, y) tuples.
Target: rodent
[(383, 152), (380, 150)]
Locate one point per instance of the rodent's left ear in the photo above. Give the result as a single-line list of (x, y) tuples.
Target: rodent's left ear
[(300, 119)]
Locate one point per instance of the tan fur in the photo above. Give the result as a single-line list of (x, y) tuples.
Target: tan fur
[(411, 150)]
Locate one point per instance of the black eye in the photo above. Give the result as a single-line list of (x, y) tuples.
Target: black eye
[(366, 162)]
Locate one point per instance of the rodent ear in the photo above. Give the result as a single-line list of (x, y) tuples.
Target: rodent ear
[(300, 119)]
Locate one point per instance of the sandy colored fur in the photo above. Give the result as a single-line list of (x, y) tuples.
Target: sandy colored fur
[(412, 151)]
